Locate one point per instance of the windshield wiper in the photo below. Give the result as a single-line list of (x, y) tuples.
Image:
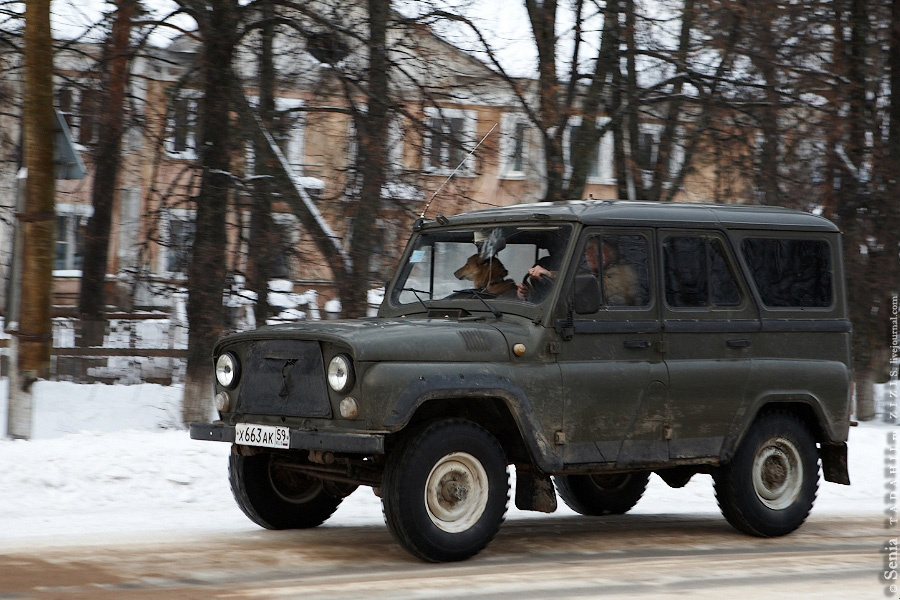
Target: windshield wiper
[(416, 294), (478, 295)]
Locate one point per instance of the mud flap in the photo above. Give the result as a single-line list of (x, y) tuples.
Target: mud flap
[(834, 463), (534, 491)]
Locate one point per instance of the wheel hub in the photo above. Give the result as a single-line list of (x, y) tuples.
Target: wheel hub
[(456, 492), (778, 474), (452, 491), (774, 472)]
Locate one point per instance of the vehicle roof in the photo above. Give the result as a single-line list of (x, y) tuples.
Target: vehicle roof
[(620, 212)]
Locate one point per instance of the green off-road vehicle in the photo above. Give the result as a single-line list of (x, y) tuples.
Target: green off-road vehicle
[(588, 344)]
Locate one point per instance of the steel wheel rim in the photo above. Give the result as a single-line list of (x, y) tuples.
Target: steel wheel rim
[(456, 492), (778, 474)]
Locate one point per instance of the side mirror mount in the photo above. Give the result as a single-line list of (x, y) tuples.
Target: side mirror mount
[(587, 294)]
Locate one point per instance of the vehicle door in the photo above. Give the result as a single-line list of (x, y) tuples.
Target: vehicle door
[(708, 324), (613, 374)]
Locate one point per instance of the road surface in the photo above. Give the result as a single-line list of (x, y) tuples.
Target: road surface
[(631, 556)]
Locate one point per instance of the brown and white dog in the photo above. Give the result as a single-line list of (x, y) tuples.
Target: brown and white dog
[(487, 275)]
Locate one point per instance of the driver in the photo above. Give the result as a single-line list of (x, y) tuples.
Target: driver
[(537, 280)]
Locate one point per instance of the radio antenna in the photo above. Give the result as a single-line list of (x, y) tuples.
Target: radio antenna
[(449, 177)]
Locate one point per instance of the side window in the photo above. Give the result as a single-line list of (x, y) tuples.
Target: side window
[(790, 273), (697, 274), (723, 289), (621, 264)]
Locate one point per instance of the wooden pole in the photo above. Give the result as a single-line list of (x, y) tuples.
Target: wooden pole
[(37, 222)]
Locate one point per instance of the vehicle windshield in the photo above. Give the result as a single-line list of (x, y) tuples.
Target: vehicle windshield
[(519, 263)]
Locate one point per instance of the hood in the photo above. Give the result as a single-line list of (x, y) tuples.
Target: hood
[(419, 340)]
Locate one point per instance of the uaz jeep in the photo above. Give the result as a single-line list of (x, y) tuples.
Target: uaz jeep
[(593, 343)]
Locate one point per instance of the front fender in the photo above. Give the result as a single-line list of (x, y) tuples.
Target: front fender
[(479, 385)]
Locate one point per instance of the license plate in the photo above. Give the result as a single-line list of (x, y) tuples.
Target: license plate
[(269, 436)]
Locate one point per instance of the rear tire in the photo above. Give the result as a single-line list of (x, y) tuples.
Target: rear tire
[(768, 489), (598, 495), (275, 496), (445, 491)]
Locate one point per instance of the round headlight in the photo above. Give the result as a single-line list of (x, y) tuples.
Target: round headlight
[(228, 370), (340, 373)]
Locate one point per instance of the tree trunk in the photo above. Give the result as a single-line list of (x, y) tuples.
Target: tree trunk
[(259, 245), (769, 155), (619, 137), (860, 267), (372, 128), (633, 166), (587, 137), (894, 62), (662, 169), (542, 16), (35, 328), (207, 273), (92, 301)]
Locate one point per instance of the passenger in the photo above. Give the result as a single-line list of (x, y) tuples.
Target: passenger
[(620, 287)]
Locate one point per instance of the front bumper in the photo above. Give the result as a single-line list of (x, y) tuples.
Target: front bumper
[(354, 443)]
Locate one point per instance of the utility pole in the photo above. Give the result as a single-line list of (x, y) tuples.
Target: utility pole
[(34, 336)]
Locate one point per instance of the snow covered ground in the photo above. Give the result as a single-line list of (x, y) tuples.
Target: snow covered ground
[(109, 462)]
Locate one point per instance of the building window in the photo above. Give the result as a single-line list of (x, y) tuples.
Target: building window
[(129, 226), (65, 101), (177, 240), (395, 145), (384, 250), (515, 134), (449, 137), (80, 108), (600, 165), (71, 223), (182, 128), (288, 129), (648, 150), (287, 237)]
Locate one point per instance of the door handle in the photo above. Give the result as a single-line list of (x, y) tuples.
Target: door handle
[(738, 343), (636, 344)]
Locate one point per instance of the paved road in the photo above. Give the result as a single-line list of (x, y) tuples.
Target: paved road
[(633, 556)]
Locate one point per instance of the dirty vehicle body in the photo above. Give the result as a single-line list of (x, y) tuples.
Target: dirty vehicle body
[(668, 339)]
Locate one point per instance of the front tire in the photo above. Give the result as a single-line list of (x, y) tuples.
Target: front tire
[(598, 495), (446, 490), (275, 496), (768, 489)]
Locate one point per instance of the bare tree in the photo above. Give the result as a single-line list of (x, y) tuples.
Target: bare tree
[(218, 26), (111, 117), (261, 249), (865, 202)]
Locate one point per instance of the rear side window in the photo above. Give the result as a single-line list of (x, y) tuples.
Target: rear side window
[(790, 273), (697, 273), (621, 264)]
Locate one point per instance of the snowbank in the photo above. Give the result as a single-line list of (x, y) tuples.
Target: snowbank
[(110, 461)]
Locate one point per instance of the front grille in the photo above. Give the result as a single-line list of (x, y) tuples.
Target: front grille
[(285, 378)]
